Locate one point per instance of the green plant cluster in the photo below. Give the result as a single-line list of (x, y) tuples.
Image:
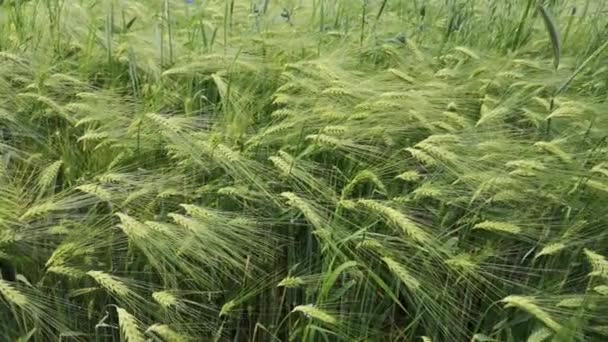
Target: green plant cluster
[(304, 170)]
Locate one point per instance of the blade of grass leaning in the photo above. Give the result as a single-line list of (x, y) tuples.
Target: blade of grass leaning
[(553, 31), (581, 67)]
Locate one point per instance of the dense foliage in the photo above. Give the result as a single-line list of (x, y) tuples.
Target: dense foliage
[(306, 170)]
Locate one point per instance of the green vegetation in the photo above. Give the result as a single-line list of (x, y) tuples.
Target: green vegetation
[(304, 170)]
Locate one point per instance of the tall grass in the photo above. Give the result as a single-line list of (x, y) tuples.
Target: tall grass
[(315, 170)]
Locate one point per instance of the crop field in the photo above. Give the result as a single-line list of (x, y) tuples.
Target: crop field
[(304, 170)]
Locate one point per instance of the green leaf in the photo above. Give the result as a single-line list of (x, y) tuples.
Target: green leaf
[(553, 33)]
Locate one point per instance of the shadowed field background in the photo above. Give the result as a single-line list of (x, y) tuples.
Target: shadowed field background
[(303, 170)]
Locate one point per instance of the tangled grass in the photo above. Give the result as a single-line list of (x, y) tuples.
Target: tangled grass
[(303, 170)]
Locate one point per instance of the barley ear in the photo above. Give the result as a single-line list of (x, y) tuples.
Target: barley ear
[(129, 327), (12, 295), (110, 283), (402, 273), (166, 333), (315, 313), (165, 299), (528, 304), (495, 226)]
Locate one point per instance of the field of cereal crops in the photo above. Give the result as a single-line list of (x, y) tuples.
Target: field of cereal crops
[(304, 170)]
